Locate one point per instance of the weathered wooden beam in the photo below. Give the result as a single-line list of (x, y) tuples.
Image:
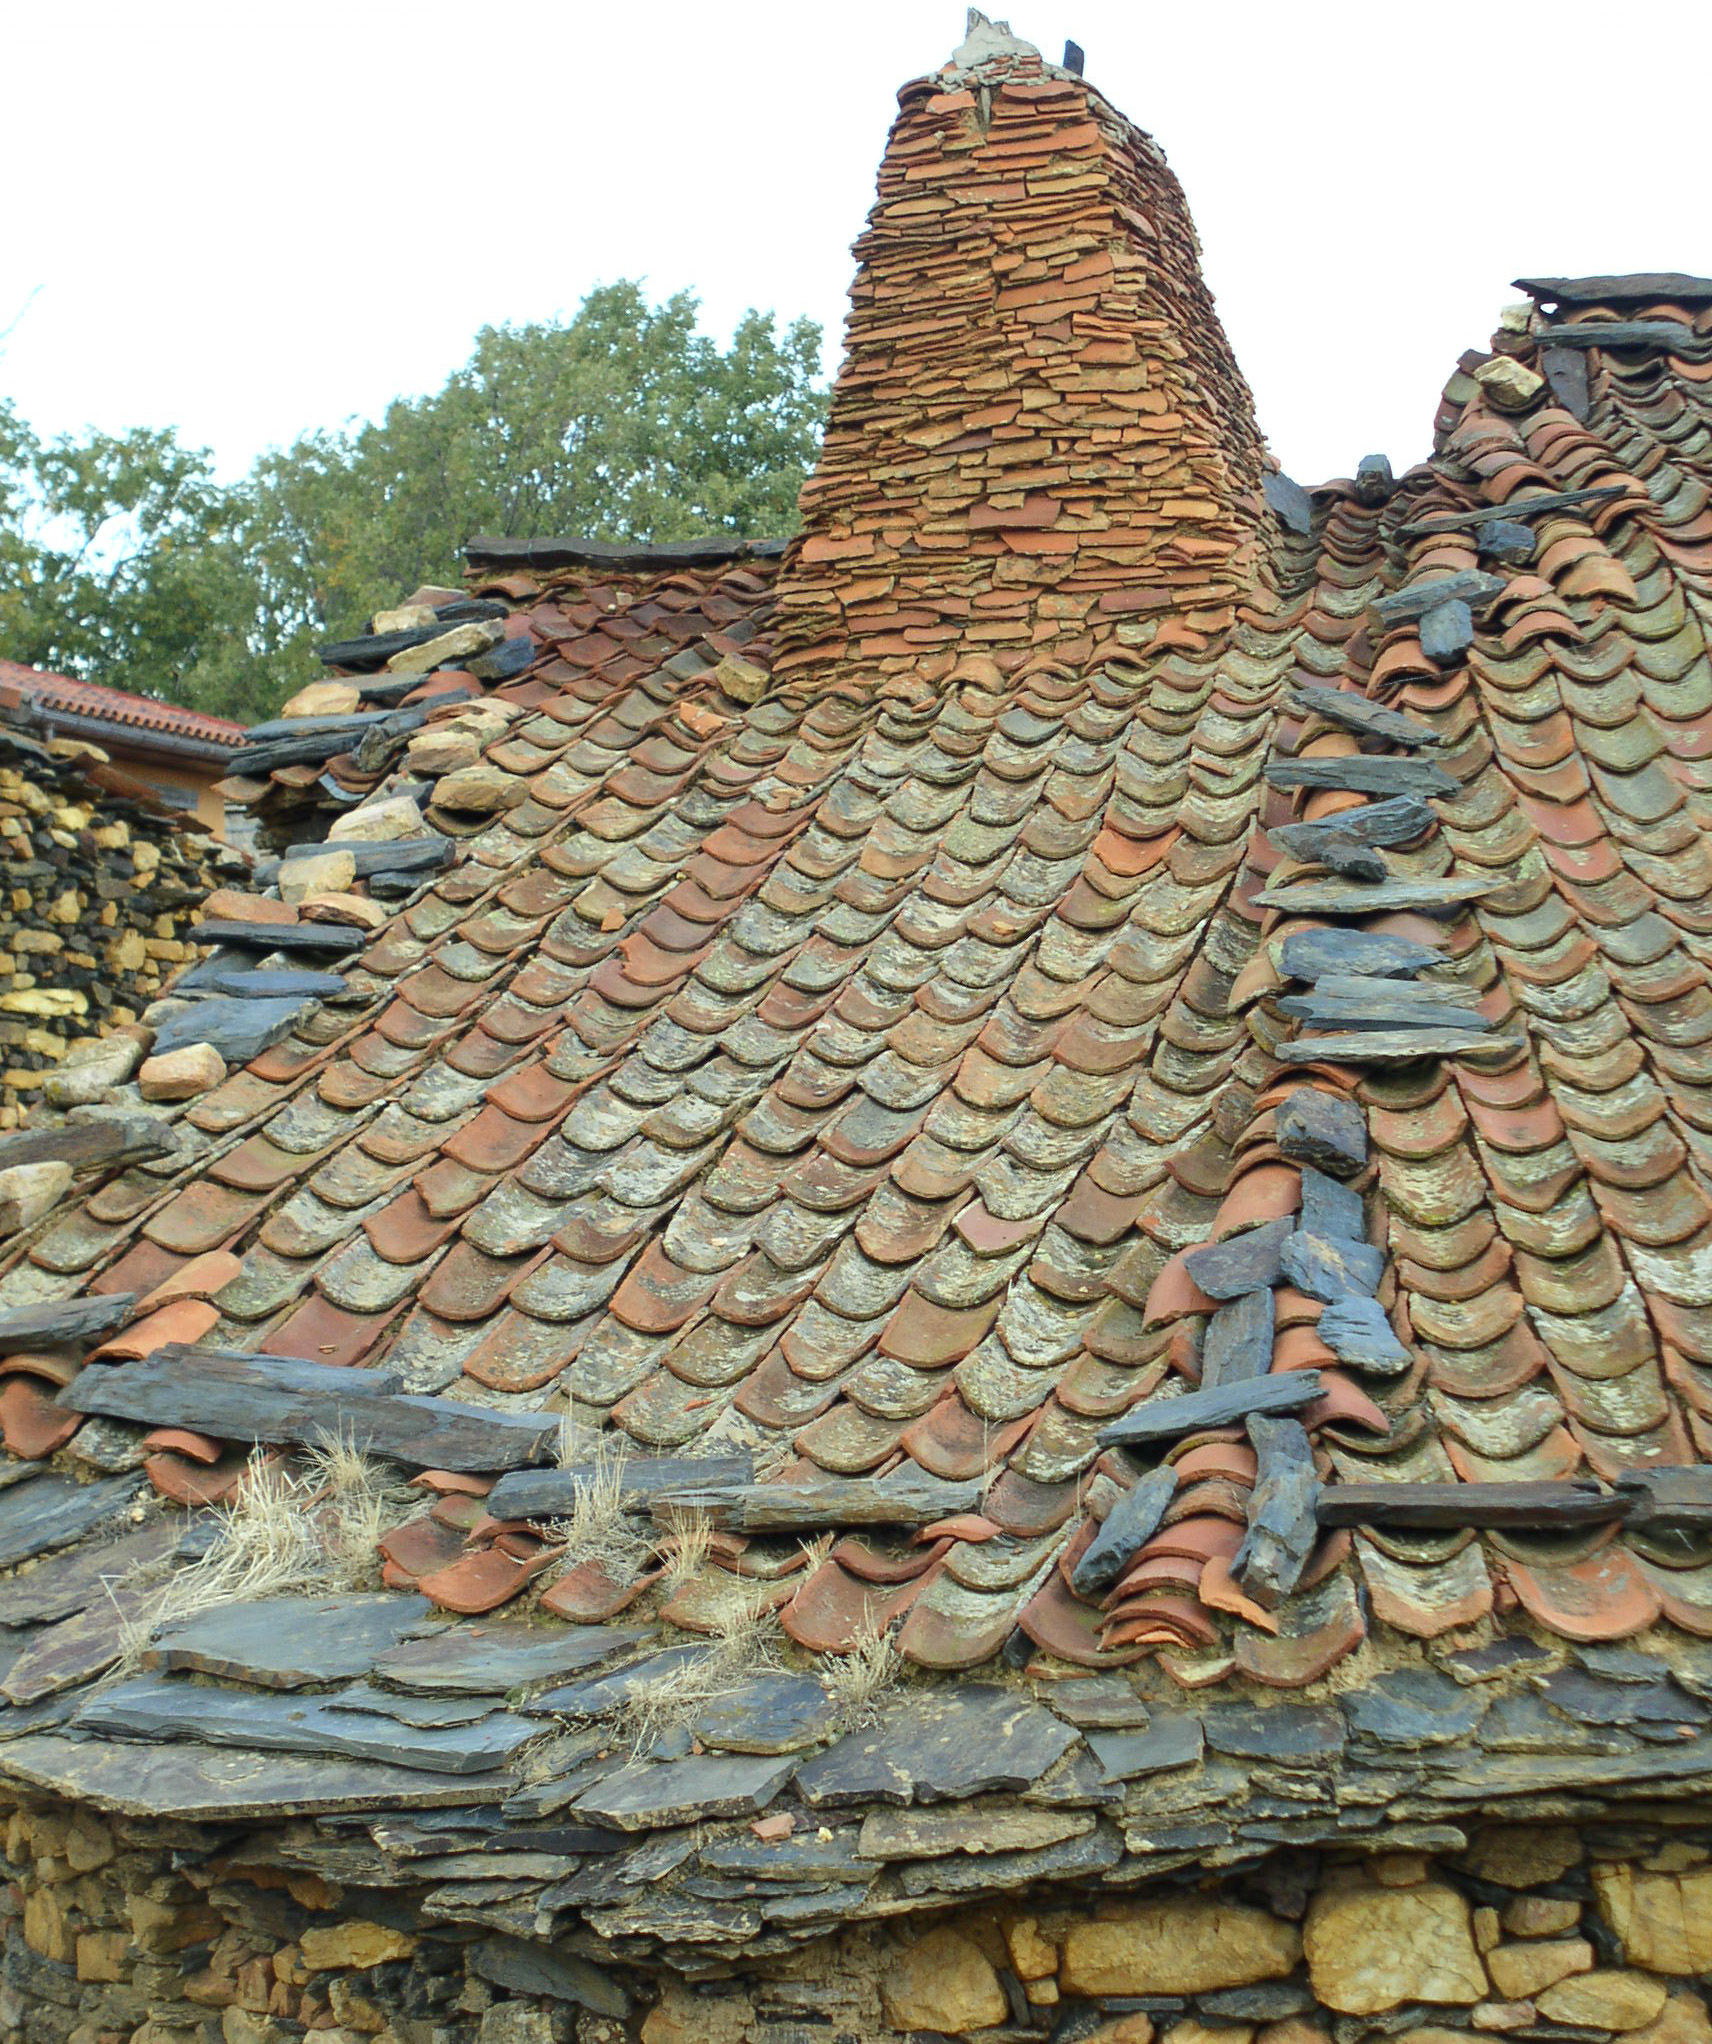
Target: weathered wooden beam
[(1450, 1507), (63, 1323), (90, 1145), (1393, 1046), (1669, 334), (1401, 820), (1365, 774), (710, 552), (1370, 720), (543, 1494), (809, 1507), (1168, 1419), (350, 721), (500, 662), (375, 649), (1668, 1497), (1473, 587), (372, 733), (1536, 506), (275, 1399)]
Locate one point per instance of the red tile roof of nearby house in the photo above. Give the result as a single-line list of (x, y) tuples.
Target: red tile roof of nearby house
[(138, 719)]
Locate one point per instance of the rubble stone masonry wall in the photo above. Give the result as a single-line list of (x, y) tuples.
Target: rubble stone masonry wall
[(118, 1932)]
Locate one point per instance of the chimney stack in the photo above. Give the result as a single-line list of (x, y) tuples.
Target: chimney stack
[(1039, 442)]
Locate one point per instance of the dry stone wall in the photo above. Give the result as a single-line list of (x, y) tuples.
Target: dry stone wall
[(98, 889), (122, 1932)]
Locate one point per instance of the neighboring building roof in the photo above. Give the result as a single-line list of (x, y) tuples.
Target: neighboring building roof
[(88, 709), (1107, 1068)]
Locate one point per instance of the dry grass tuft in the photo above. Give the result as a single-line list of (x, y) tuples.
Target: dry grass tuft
[(599, 1526), (856, 1681), (744, 1645), (357, 1502), (691, 1540), (310, 1530)]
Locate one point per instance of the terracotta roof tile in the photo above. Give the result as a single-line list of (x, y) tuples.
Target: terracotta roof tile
[(92, 703)]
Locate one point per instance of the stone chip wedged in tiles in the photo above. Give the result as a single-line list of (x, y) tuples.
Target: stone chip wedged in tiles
[(1238, 1340), (1357, 1332), (1331, 1208), (1314, 953), (1127, 1526), (1322, 1129), (1330, 1268), (1248, 1262)]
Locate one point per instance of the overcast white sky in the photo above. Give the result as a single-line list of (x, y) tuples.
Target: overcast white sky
[(246, 221)]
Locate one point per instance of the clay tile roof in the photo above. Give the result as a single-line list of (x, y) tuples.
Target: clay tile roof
[(1107, 1085), (90, 709)]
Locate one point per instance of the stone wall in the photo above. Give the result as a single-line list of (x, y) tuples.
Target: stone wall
[(98, 885), (122, 1932)]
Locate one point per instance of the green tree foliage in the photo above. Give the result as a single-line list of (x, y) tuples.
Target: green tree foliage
[(122, 560), (119, 561)]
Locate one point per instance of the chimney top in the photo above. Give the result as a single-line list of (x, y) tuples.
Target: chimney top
[(987, 42)]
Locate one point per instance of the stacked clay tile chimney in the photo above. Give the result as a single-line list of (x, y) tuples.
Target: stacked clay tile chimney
[(1039, 438)]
